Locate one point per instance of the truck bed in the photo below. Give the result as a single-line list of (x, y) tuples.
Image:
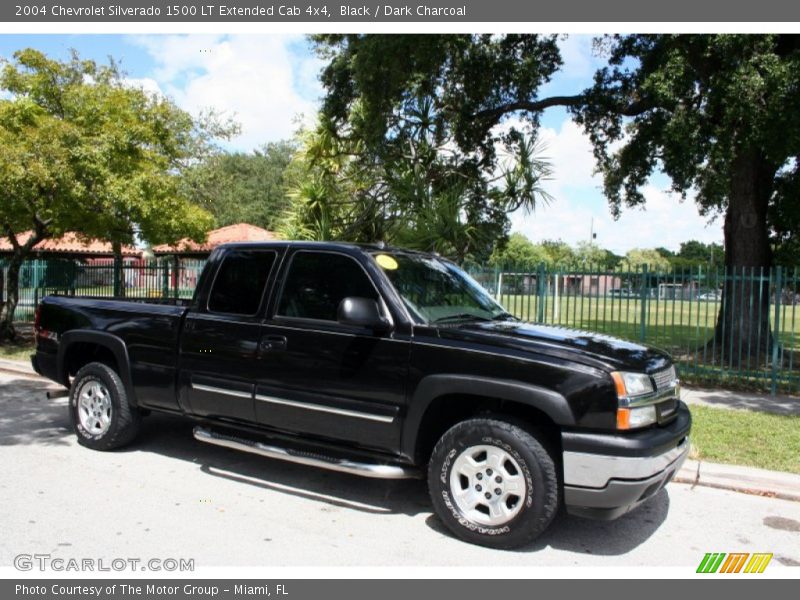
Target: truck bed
[(150, 331)]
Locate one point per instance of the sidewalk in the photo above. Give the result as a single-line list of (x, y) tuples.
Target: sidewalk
[(728, 477), (17, 367), (779, 405)]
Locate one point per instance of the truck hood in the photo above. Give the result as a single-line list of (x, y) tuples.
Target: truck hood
[(592, 349)]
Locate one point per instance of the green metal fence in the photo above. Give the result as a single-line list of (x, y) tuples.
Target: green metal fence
[(753, 346), (155, 279), (736, 327)]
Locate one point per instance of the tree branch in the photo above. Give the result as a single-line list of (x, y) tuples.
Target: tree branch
[(493, 115)]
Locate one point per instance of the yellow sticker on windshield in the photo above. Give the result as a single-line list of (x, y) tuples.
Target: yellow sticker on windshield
[(386, 261)]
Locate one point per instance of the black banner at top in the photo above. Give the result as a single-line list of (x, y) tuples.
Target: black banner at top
[(338, 11)]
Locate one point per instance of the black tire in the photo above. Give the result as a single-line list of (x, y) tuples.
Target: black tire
[(527, 514), (121, 420)]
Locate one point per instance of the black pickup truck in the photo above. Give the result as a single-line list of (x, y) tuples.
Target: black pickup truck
[(380, 362)]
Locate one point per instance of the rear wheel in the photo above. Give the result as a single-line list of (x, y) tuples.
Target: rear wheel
[(493, 483), (101, 415)]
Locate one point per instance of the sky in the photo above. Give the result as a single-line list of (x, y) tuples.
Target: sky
[(269, 84)]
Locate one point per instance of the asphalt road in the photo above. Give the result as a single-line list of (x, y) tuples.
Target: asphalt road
[(171, 496)]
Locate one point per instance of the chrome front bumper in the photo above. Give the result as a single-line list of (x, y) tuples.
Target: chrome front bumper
[(606, 485), (596, 470)]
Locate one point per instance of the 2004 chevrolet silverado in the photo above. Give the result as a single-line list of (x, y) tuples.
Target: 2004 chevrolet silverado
[(380, 362)]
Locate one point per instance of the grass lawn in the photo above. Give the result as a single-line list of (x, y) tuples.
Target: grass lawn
[(681, 327), (743, 437), (677, 325)]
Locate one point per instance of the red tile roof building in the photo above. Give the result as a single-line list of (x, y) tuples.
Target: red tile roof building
[(240, 232), (70, 244)]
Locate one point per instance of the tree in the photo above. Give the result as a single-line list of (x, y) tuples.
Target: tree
[(696, 254), (244, 187), (396, 100), (37, 186), (719, 114), (416, 189), (784, 216), (559, 253), (640, 257), (83, 151), (519, 252), (588, 254)]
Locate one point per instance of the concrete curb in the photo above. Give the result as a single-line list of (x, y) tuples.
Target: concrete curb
[(747, 480)]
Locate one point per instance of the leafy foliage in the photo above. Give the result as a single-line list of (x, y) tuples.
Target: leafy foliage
[(520, 252), (244, 187), (720, 114), (422, 192), (694, 253), (83, 151), (645, 256), (401, 109)]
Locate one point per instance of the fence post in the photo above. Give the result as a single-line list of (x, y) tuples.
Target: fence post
[(176, 275), (643, 297), (777, 330), (164, 264), (499, 280), (541, 289)]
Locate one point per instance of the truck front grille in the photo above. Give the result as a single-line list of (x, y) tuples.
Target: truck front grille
[(666, 378)]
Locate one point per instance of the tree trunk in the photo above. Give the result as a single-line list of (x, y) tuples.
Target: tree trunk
[(742, 335), (119, 272), (9, 306)]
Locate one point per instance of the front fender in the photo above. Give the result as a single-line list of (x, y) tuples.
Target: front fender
[(553, 404)]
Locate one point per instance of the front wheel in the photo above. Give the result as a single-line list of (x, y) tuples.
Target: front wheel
[(493, 483), (102, 417)]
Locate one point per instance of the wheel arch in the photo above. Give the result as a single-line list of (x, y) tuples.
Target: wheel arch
[(79, 347), (440, 401)]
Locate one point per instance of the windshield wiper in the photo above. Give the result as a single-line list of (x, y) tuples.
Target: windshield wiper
[(460, 317), (504, 316)]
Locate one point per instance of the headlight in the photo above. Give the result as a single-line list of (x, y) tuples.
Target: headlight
[(632, 384), (632, 418)]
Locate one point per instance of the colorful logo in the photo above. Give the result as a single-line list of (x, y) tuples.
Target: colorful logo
[(734, 562)]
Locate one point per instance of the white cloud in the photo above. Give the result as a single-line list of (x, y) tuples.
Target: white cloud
[(570, 153), (578, 202), (579, 61), (147, 84), (255, 79)]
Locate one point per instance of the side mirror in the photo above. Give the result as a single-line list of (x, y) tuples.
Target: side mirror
[(362, 312)]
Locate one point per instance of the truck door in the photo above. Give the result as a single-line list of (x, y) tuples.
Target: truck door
[(219, 345), (319, 377)]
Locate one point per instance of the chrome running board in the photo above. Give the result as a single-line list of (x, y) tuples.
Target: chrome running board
[(342, 465)]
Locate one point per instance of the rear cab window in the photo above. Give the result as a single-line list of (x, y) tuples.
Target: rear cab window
[(240, 282)]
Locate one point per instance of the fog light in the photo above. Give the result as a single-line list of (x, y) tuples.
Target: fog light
[(633, 418)]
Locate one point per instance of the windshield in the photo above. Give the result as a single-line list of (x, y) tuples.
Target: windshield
[(437, 291)]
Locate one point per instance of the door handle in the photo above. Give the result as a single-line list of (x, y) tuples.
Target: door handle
[(271, 343)]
